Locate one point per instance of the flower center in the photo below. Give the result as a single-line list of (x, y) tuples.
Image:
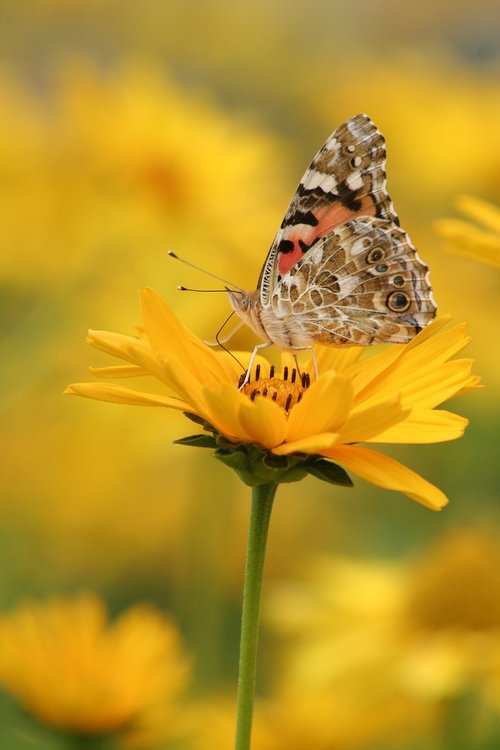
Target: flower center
[(286, 390)]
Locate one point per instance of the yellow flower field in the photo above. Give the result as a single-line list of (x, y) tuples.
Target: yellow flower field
[(129, 130)]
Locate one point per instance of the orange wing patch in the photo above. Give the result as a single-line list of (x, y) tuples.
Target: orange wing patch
[(299, 238)]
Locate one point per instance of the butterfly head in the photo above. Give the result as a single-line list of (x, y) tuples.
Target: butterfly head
[(247, 306)]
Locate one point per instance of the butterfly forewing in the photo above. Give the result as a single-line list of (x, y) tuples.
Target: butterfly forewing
[(346, 179)]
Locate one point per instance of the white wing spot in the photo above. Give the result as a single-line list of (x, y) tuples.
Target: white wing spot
[(313, 179), (315, 255), (358, 246), (354, 181), (332, 144)]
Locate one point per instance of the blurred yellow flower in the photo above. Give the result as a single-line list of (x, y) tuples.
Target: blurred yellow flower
[(117, 160), (321, 720), (75, 671), (387, 398), (450, 618), (465, 238), (424, 630)]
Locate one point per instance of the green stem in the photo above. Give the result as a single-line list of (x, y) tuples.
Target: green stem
[(262, 504)]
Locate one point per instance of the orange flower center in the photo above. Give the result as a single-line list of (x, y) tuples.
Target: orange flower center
[(286, 391)]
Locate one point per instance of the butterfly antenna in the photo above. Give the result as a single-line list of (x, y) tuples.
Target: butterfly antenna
[(208, 273), (182, 288)]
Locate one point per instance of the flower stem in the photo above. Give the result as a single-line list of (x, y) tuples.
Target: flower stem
[(262, 504)]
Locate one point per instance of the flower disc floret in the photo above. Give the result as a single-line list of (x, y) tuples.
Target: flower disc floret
[(286, 390)]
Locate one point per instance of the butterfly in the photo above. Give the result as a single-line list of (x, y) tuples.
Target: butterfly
[(340, 270)]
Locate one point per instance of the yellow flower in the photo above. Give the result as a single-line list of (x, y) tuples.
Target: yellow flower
[(320, 720), (427, 628), (387, 398), (450, 618), (123, 157), (76, 672), (399, 641), (464, 238)]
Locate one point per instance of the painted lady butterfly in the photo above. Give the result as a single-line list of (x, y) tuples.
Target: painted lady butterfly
[(340, 271)]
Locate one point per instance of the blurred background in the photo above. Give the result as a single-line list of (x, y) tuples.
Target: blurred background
[(128, 129)]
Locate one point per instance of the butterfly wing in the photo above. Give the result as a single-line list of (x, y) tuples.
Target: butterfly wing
[(363, 283), (346, 179)]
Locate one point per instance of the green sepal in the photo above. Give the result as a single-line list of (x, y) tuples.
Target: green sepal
[(256, 466), (200, 421), (198, 441), (327, 471)]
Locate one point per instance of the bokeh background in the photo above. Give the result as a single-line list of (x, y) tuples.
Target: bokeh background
[(128, 129)]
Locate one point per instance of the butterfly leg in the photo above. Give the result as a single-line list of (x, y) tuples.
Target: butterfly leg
[(315, 364), (313, 357), (297, 366), (252, 360)]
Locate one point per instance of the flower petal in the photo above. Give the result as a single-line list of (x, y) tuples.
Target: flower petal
[(366, 372), (311, 445), (222, 410), (463, 238), (430, 330), (403, 374), (430, 388), (366, 424), (264, 421), (424, 426), (118, 371), (337, 358), (117, 394), (482, 211), (130, 349), (323, 408), (181, 380), (166, 334), (385, 472)]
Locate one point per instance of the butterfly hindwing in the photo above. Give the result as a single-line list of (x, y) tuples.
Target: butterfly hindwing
[(346, 179), (362, 283)]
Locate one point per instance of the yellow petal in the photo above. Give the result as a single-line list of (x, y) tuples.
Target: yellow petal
[(385, 472), (371, 372), (232, 368), (337, 358), (130, 349), (402, 376), (323, 408), (117, 394), (431, 387), (365, 374), (264, 421), (438, 346), (430, 330), (463, 238), (118, 371), (424, 426), (181, 380), (311, 445), (482, 211), (366, 424), (222, 410), (166, 334)]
